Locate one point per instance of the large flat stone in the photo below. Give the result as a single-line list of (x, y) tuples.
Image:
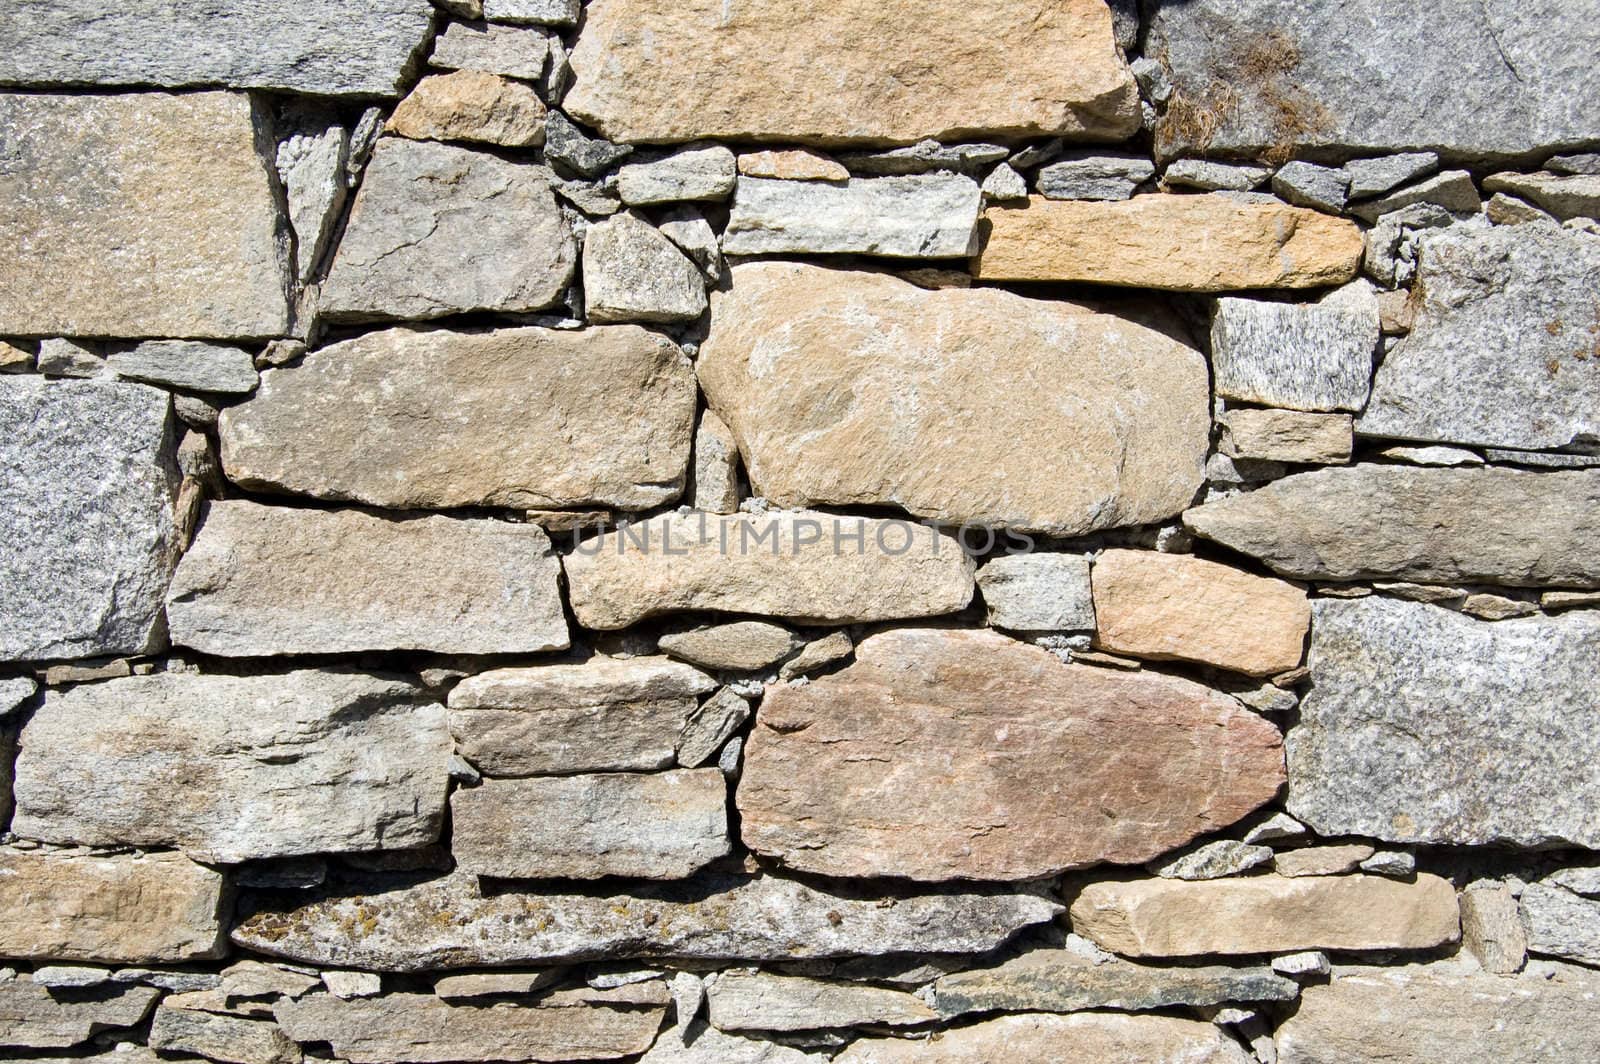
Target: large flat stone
[(235, 768), (1426, 725), (601, 416), (1511, 310), (262, 580), (646, 825), (317, 47), (1261, 76), (1266, 914), (1086, 1036), (216, 1036), (1431, 1014), (1179, 607), (762, 1001), (438, 229), (420, 1027), (804, 565), (859, 70), (138, 215), (926, 216), (948, 754), (1304, 356), (1446, 526), (1211, 243), (86, 513), (607, 714), (158, 908), (1034, 415), (450, 923), (33, 1017)]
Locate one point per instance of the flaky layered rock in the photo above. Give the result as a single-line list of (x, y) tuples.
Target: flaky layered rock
[(945, 754), (226, 767), (1500, 526), (86, 514), (1266, 914), (471, 105), (263, 580), (1086, 1036), (762, 1001), (1034, 415), (917, 216), (598, 416), (450, 923), (117, 204), (219, 1037), (1432, 1013), (158, 908), (420, 1027), (1177, 606), (32, 1017), (800, 565), (1210, 243), (896, 72), (1424, 725), (700, 1043), (651, 825)]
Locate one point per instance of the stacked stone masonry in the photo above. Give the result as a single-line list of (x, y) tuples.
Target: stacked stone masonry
[(751, 532)]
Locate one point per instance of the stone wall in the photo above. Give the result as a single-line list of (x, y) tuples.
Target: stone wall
[(716, 532)]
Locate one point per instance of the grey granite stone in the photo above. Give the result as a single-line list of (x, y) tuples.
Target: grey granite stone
[(927, 216), (1211, 176), (190, 365), (1309, 185), (691, 174), (510, 51), (1374, 177), (1303, 356), (1087, 175), (924, 157), (1561, 923), (313, 160), (540, 12), (1564, 196), (1038, 592), (572, 148), (1212, 860), (633, 273), (1452, 190)]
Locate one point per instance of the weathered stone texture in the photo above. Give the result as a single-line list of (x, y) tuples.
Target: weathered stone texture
[(1287, 436), (1436, 525), (632, 272), (1210, 243), (926, 216), (86, 514), (1498, 79), (439, 229), (1423, 725), (801, 565), (232, 768), (1561, 923), (966, 755), (742, 646), (700, 1043), (32, 1017), (1038, 592), (597, 416), (220, 1037), (511, 51), (1086, 1036), (1564, 196), (158, 908), (1028, 414), (607, 714), (1492, 929), (894, 72), (655, 825), (1177, 606), (137, 215), (1266, 914), (761, 1001), (471, 105), (761, 919), (1511, 312), (1314, 356), (319, 47), (188, 365)]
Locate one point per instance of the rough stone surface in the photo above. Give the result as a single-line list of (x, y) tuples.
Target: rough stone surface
[(926, 156), (216, 1037), (895, 72), (1499, 80), (1209, 176), (158, 908), (569, 146), (471, 105), (112, 206), (927, 216), (1428, 1014), (1038, 592), (1423, 725), (1305, 184), (608, 714), (33, 1017), (1213, 860), (1209, 243), (693, 174), (808, 367), (263, 580), (189, 365), (1562, 195), (86, 509), (711, 725), (1266, 914), (1314, 356), (438, 229), (716, 466), (1560, 923), (1322, 860), (700, 1043), (343, 424), (1179, 607), (632, 272), (1086, 1036), (1500, 526), (236, 768), (759, 919), (420, 1027), (1492, 930), (1373, 177), (1452, 190), (539, 12), (817, 655), (660, 825), (1511, 310), (1287, 436), (794, 165), (1061, 980), (1085, 175), (963, 755), (511, 51), (741, 646), (761, 1001), (801, 565), (320, 47)]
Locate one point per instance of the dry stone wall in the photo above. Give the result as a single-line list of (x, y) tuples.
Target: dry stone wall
[(752, 532)]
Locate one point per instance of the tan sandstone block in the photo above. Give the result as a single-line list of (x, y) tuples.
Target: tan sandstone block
[(471, 105), (1288, 436), (792, 166)]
